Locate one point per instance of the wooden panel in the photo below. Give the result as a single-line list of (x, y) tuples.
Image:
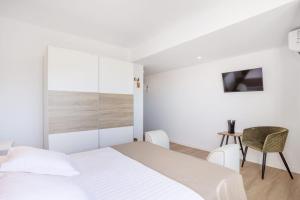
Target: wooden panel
[(72, 111), (78, 111), (116, 110)]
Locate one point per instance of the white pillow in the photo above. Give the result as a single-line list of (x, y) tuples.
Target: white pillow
[(25, 186), (39, 161)]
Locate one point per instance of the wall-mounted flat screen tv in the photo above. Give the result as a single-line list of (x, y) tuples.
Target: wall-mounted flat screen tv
[(243, 81)]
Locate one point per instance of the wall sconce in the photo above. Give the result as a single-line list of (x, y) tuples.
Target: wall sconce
[(137, 80)]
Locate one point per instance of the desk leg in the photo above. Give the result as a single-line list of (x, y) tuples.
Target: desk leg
[(222, 140), (241, 145), (227, 139), (235, 140)]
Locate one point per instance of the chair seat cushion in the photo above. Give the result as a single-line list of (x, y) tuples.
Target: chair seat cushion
[(254, 144)]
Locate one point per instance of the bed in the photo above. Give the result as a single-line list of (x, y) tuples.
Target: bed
[(198, 179), (133, 171)]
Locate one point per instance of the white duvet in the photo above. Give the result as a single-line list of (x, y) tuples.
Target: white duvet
[(107, 174), (28, 186)]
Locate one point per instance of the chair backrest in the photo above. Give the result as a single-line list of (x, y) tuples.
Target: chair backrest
[(272, 137), (261, 132), (226, 156), (158, 137)]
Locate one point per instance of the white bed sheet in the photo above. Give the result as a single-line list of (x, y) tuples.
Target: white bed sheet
[(28, 186), (107, 174)]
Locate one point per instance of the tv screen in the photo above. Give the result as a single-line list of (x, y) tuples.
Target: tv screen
[(243, 81)]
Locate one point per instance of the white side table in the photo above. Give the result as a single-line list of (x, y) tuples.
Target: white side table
[(5, 146)]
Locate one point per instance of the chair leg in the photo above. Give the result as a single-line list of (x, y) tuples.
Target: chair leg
[(286, 165), (264, 165), (241, 145), (244, 156), (222, 140), (227, 139)]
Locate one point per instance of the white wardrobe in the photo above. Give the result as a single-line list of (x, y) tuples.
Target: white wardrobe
[(88, 101)]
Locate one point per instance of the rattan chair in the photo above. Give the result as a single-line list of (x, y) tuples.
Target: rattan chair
[(267, 140)]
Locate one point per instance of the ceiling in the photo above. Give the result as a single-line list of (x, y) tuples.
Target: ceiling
[(264, 31), (167, 34), (126, 23)]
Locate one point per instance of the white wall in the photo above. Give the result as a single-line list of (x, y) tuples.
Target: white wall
[(22, 47), (189, 103)]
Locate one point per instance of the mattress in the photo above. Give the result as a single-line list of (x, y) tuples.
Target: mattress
[(107, 174), (210, 181)]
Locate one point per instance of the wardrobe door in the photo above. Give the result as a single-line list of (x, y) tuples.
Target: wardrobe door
[(71, 100), (70, 70), (116, 77), (116, 102)]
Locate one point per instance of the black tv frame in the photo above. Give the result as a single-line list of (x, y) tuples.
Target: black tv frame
[(260, 88)]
